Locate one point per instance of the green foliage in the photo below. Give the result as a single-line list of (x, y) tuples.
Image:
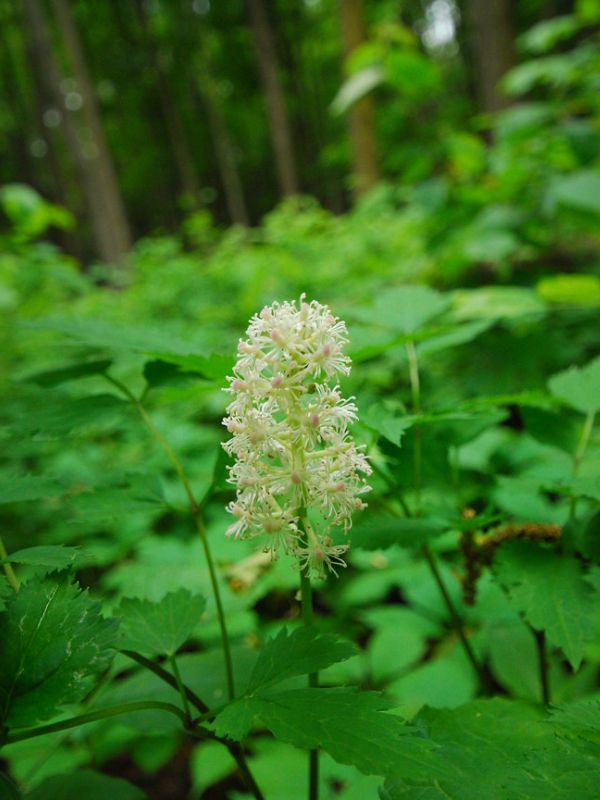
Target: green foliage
[(579, 387), (563, 606), (159, 628), (53, 643), (92, 785)]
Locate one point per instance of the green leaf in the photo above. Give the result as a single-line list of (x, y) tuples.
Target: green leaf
[(579, 387), (381, 532), (139, 494), (579, 290), (495, 302), (54, 414), (297, 653), (159, 628), (55, 377), (27, 488), (53, 641), (356, 87), (579, 191), (386, 424), (499, 749), (85, 783), (408, 308), (351, 726), (551, 592), (53, 556)]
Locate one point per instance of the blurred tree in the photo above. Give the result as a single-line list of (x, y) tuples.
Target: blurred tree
[(361, 116), (491, 41), (180, 146), (113, 236), (48, 76), (279, 126)]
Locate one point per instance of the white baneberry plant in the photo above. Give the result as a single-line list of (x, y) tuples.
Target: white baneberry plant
[(298, 472)]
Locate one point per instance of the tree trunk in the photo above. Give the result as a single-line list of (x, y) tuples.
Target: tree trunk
[(279, 127), (222, 142), (110, 221), (180, 146), (361, 117), (492, 46)]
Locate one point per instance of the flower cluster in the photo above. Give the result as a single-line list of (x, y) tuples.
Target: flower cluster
[(289, 426)]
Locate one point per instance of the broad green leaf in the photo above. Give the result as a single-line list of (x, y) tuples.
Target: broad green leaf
[(140, 494), (55, 377), (356, 87), (26, 488), (159, 628), (579, 387), (53, 641), (302, 651), (495, 302), (386, 424), (8, 789), (85, 784), (213, 367), (408, 308), (579, 718), (460, 334), (351, 726), (6, 591), (579, 290), (547, 34), (578, 190), (53, 414), (54, 556), (551, 592), (381, 532), (499, 749)]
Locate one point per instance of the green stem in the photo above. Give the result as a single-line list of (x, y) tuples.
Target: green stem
[(235, 748), (456, 620), (8, 570), (540, 640), (313, 679), (95, 716), (219, 604), (582, 444), (415, 386), (195, 510), (180, 687)]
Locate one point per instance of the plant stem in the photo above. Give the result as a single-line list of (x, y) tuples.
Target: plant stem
[(8, 570), (456, 620), (582, 444), (540, 640), (235, 748), (313, 680), (180, 687), (95, 716), (196, 513), (219, 604), (415, 386)]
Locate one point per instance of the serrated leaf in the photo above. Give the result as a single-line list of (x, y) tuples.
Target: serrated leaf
[(351, 726), (579, 387), (551, 592), (499, 749), (53, 414), (53, 556), (409, 308), (386, 424), (54, 377), (382, 532), (137, 496), (53, 640), (85, 783), (159, 628), (25, 488), (302, 651)]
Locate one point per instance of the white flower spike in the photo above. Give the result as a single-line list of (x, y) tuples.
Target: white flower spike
[(290, 437)]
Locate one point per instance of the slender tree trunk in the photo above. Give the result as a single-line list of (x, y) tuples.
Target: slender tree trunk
[(112, 227), (492, 45), (361, 117), (279, 127), (224, 148), (180, 145)]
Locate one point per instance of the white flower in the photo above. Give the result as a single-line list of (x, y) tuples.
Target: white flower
[(289, 426)]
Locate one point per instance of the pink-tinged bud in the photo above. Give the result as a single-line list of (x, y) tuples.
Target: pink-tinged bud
[(296, 477), (275, 335), (326, 351), (314, 420), (277, 382), (236, 510), (233, 426), (238, 385), (339, 487), (319, 554), (244, 347), (266, 313)]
